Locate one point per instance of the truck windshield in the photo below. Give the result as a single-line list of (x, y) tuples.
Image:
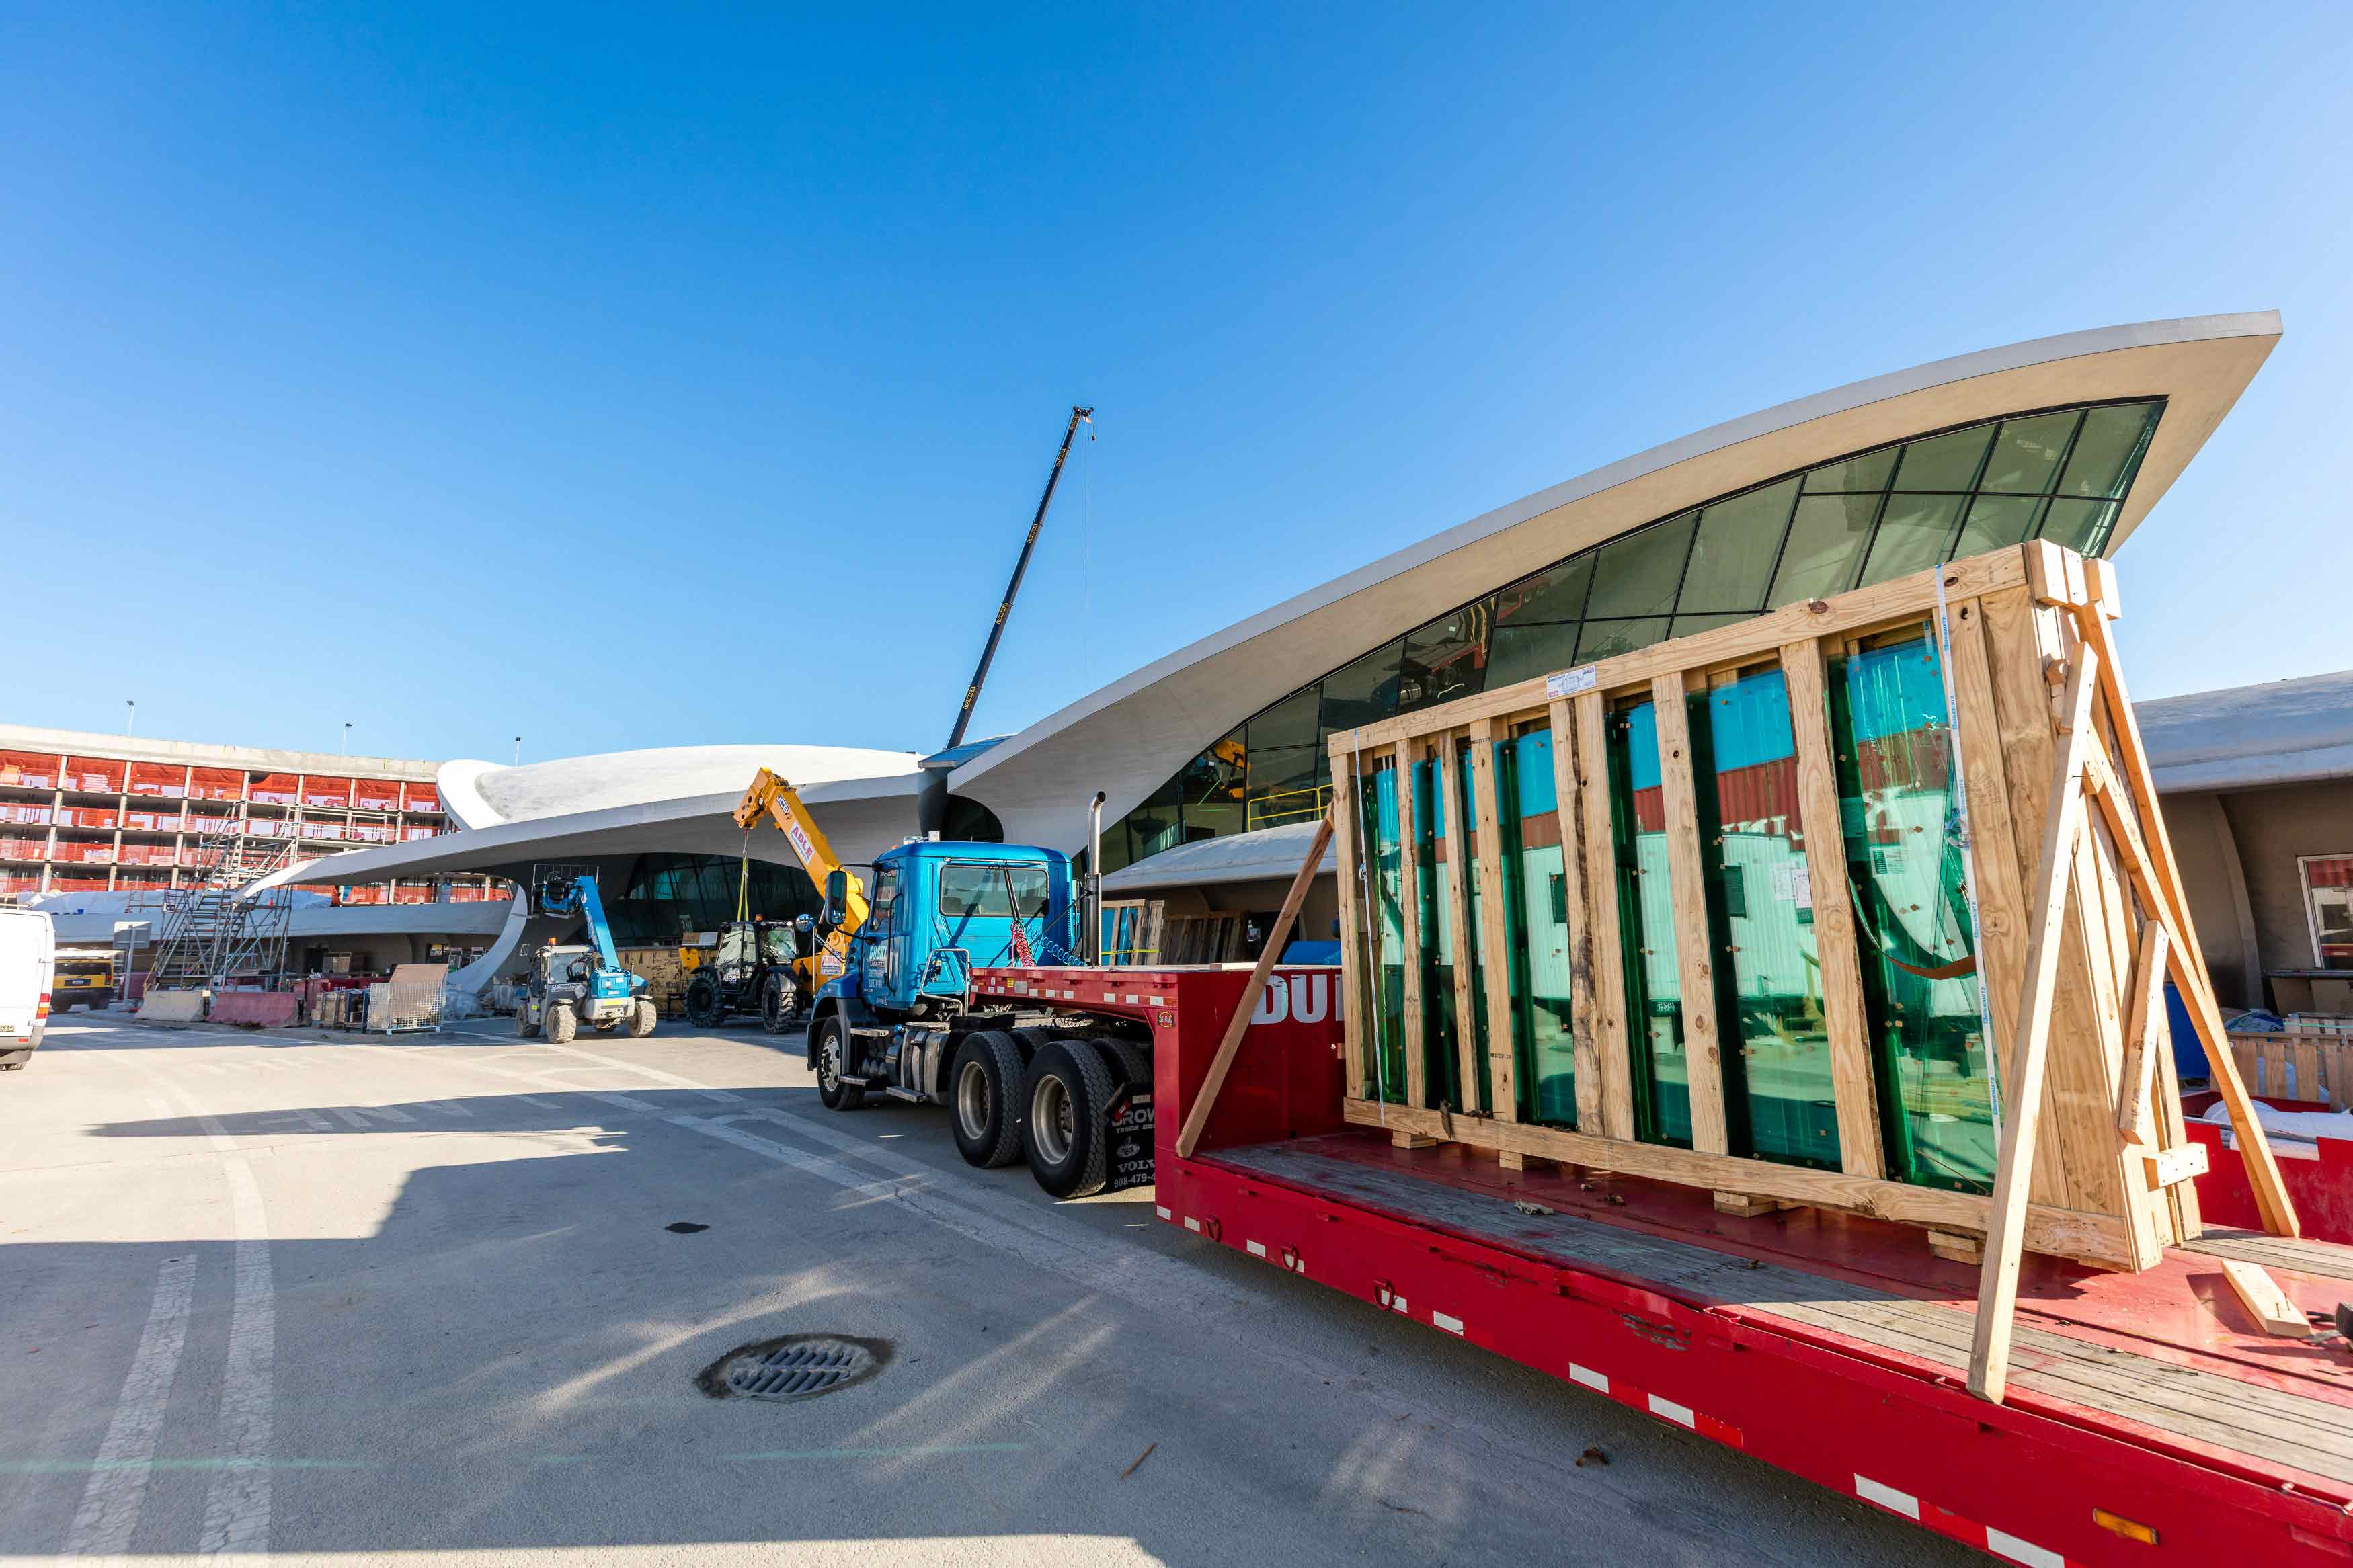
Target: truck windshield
[(978, 889)]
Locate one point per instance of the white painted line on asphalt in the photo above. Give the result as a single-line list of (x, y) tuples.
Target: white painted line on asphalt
[(671, 1078), (103, 1525), (236, 1503), (360, 1115)]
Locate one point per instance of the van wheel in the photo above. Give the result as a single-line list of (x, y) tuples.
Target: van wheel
[(986, 1099), (562, 1022), (1068, 1089), (830, 1047), (643, 1017)]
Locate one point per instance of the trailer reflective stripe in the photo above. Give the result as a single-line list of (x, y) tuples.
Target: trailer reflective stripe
[(1155, 1001), (1161, 1211), (1451, 1324), (1397, 1304), (1680, 1414), (1256, 1248), (1598, 1382), (2024, 1552), (1887, 1496), (1192, 1224)]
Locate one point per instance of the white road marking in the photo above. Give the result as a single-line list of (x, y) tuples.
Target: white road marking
[(102, 1527), (358, 1116), (236, 1503)]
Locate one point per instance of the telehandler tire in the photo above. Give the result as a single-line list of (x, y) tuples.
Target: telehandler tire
[(1068, 1089), (704, 1006), (563, 1023), (524, 1030), (780, 1003), (984, 1099), (830, 1048), (643, 1017)]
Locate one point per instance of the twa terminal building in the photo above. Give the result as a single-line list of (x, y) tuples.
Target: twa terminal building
[(1213, 758)]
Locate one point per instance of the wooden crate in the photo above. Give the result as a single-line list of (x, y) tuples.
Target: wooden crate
[(2297, 1064), (2079, 918)]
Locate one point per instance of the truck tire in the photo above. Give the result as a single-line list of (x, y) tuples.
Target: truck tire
[(643, 1017), (1130, 1063), (703, 1004), (562, 1022), (985, 1096), (1032, 1041), (524, 1030), (1067, 1091), (829, 1044), (780, 1002)]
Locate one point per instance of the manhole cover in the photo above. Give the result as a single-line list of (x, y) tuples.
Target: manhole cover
[(799, 1366)]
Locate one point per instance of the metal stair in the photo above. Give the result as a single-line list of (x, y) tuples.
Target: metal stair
[(216, 930)]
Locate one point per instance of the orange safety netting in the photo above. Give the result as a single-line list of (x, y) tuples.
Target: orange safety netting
[(217, 784), (96, 773), (28, 770), (158, 778), (277, 789)]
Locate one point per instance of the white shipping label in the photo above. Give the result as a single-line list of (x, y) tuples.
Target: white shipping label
[(1569, 682), (1801, 884)]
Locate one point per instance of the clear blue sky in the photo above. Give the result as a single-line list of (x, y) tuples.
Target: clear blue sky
[(656, 380)]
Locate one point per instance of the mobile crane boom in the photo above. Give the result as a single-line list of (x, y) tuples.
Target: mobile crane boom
[(1005, 607), (772, 798)]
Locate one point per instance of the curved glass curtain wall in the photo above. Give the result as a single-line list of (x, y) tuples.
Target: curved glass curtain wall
[(2060, 474)]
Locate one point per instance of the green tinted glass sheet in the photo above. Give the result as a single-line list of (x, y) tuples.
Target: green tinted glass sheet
[(1905, 863), (1646, 928), (1540, 990)]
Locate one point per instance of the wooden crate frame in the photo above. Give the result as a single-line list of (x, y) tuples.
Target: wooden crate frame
[(2072, 870)]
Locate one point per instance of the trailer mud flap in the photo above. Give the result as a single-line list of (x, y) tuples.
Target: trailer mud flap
[(1127, 1132)]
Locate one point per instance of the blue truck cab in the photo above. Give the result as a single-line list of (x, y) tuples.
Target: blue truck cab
[(899, 1020)]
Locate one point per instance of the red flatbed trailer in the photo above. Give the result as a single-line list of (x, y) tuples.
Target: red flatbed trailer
[(2147, 1421)]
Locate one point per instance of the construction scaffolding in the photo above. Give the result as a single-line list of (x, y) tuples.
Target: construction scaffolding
[(220, 930)]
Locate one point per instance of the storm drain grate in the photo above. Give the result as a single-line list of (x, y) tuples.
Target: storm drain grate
[(799, 1366)]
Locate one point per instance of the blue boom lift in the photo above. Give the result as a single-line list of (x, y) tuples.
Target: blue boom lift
[(576, 985)]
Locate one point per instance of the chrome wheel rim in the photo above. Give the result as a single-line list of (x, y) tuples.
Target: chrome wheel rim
[(971, 1101), (828, 1062), (1051, 1122)]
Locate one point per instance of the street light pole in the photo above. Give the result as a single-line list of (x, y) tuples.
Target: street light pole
[(130, 714), (345, 749), (518, 750)]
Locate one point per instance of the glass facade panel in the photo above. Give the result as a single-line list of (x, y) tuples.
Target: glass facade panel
[(1646, 928), (2108, 449), (1606, 639), (1475, 899), (1996, 520), (2079, 524), (1868, 472), (1684, 626), (1638, 575), (2026, 453), (1557, 594), (1447, 659), (1752, 835), (1946, 462), (1732, 557), (1523, 653), (1689, 572), (1289, 722), (1363, 692), (1914, 535), (1826, 540), (1892, 738)]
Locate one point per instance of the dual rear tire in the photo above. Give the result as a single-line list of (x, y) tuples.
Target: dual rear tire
[(1065, 1093)]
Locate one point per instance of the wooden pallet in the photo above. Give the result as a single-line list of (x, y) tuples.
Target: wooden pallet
[(2080, 917)]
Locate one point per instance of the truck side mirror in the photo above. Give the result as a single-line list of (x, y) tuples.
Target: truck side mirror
[(837, 899)]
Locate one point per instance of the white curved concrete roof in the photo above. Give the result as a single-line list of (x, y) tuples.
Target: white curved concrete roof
[(536, 790), (2283, 731), (1268, 854), (1129, 737)]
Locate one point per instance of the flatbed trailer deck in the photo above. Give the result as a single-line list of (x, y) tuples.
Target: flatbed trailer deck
[(2148, 1420)]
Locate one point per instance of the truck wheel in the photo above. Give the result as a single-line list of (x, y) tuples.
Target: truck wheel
[(1068, 1089), (830, 1048), (780, 1000), (524, 1030), (643, 1017), (1031, 1041), (1130, 1063), (986, 1098), (703, 1004), (562, 1022)]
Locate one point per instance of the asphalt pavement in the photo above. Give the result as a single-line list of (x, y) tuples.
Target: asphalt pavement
[(444, 1296)]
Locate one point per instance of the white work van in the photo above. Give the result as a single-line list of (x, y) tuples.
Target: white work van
[(28, 949)]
